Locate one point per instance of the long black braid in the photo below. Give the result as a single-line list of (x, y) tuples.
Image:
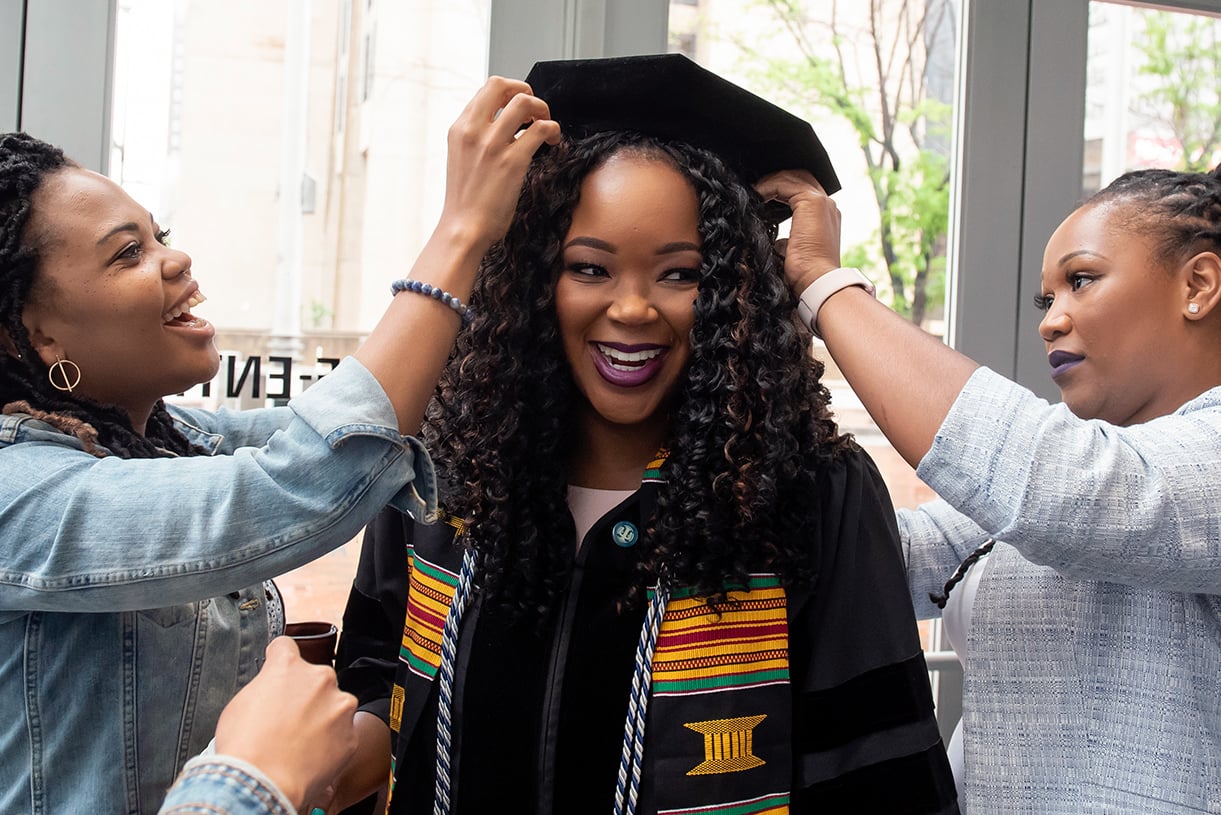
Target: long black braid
[(25, 163), (748, 438), (1183, 213), (939, 598)]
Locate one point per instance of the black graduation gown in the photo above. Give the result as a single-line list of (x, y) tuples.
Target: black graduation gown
[(539, 710)]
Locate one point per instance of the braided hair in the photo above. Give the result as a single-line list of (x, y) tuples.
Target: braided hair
[(748, 436), (25, 163), (1182, 213)]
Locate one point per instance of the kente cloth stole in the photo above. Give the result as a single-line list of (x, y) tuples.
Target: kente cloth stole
[(720, 717), (430, 593), (719, 724), (719, 728)]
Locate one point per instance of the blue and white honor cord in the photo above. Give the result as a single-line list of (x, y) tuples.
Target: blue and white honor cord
[(445, 684), (627, 786)]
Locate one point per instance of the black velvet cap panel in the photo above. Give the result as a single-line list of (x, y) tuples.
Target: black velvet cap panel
[(671, 97)]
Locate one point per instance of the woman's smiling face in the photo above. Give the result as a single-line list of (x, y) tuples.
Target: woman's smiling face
[(626, 292), (112, 297)]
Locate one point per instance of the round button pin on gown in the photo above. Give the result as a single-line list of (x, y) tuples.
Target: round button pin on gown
[(625, 534)]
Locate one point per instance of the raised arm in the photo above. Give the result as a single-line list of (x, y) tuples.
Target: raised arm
[(906, 378), (487, 161), (1091, 499), (96, 531)]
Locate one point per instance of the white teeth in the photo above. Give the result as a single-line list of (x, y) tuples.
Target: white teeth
[(176, 312), (621, 360)]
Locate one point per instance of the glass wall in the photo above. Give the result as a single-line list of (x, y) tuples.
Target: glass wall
[(297, 150), (1153, 91)]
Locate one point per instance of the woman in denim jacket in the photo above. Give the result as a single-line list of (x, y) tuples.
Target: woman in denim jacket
[(1093, 659), (137, 536)]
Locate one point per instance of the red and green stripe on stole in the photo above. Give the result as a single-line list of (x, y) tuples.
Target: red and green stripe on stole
[(429, 597), (745, 645)]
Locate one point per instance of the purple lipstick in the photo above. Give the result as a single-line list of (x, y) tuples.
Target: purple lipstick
[(627, 366), (1062, 361)]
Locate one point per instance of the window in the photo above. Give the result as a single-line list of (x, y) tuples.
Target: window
[(1152, 98)]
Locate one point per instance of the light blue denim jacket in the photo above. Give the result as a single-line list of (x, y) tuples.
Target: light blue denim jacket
[(131, 604), (223, 785)]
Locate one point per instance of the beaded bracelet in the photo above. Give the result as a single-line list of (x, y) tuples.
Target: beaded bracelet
[(464, 311)]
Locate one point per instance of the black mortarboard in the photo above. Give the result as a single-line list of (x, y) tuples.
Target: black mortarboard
[(669, 96)]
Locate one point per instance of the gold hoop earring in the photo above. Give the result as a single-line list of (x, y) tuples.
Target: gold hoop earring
[(68, 379)]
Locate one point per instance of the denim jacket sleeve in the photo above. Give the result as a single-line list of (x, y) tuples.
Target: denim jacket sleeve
[(224, 431), (111, 534), (1136, 505), (223, 785)]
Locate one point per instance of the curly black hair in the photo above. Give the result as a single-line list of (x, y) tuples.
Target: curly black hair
[(25, 164), (748, 435)]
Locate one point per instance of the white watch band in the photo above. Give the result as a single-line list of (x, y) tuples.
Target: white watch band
[(816, 293)]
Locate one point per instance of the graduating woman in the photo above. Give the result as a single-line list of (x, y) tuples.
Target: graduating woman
[(664, 581)]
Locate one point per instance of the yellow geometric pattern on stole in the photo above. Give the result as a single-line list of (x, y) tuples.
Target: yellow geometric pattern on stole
[(452, 520), (727, 745), (396, 707)]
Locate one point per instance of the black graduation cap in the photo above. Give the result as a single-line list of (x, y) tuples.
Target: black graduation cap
[(671, 97)]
